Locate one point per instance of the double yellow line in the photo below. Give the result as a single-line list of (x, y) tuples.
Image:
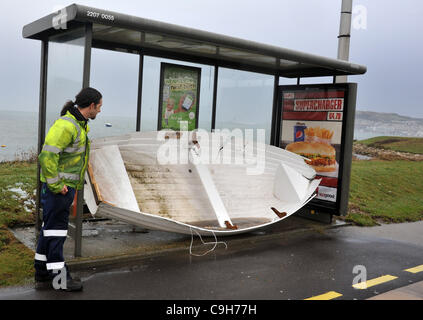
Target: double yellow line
[(364, 285)]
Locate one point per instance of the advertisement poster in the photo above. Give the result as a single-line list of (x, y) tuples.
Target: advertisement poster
[(312, 127), (179, 96)]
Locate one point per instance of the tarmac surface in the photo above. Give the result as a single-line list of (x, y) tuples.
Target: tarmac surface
[(314, 263)]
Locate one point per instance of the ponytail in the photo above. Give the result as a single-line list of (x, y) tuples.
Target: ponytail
[(83, 99), (68, 106)]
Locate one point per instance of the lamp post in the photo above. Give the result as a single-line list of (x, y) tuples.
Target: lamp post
[(344, 35)]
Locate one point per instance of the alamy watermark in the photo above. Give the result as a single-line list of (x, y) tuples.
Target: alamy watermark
[(360, 280), (59, 281), (60, 20), (223, 146), (359, 20)]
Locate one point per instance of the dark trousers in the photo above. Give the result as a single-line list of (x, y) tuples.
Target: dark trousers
[(49, 253)]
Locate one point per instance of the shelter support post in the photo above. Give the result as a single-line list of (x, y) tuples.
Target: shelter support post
[(80, 197), (215, 82), (87, 55), (139, 100), (41, 129), (273, 133)]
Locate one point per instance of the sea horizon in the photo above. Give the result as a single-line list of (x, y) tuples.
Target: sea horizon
[(19, 131)]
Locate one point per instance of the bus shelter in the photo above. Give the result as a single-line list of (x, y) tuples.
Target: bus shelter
[(70, 37)]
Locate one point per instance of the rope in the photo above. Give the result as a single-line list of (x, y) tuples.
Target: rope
[(208, 251)]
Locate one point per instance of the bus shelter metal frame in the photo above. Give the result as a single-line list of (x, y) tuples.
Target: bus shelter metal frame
[(76, 16)]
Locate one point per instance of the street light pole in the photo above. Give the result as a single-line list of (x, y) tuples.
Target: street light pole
[(344, 35)]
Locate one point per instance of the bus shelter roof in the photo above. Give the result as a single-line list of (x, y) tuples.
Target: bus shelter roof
[(122, 32)]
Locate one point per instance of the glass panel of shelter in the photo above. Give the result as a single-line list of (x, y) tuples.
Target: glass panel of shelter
[(244, 101), (115, 75), (64, 71)]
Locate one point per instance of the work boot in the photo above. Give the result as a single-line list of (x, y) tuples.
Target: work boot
[(43, 285), (43, 282), (73, 285)]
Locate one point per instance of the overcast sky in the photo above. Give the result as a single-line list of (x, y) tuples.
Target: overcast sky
[(390, 45)]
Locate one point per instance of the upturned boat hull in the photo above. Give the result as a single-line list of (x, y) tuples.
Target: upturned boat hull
[(185, 183)]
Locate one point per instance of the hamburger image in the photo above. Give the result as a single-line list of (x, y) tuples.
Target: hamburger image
[(321, 156)]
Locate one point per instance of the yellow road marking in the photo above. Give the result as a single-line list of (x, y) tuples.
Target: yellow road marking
[(415, 269), (326, 296), (374, 282)]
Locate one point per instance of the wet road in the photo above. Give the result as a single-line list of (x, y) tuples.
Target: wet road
[(294, 266)]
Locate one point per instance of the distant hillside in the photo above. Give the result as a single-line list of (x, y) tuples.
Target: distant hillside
[(400, 144), (370, 124), (380, 116)]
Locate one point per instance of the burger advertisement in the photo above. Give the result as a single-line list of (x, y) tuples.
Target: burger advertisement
[(311, 126)]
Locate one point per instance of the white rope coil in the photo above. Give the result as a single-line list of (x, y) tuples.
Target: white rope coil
[(208, 251)]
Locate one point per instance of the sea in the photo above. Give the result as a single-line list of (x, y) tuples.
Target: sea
[(19, 131)]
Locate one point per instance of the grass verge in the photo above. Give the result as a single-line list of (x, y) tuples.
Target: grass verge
[(17, 206), (385, 191)]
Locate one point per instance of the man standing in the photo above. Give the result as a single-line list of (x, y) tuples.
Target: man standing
[(63, 161)]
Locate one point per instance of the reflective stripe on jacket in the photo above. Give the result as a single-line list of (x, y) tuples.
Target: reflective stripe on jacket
[(65, 152)]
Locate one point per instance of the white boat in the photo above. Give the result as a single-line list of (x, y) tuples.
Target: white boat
[(227, 187)]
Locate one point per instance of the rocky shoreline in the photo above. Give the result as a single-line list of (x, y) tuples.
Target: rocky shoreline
[(384, 154)]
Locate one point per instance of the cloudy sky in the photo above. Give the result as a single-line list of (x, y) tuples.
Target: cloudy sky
[(389, 44)]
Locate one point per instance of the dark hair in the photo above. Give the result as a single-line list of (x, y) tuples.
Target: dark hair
[(83, 99)]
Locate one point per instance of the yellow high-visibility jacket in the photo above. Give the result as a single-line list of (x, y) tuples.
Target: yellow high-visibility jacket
[(64, 157)]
